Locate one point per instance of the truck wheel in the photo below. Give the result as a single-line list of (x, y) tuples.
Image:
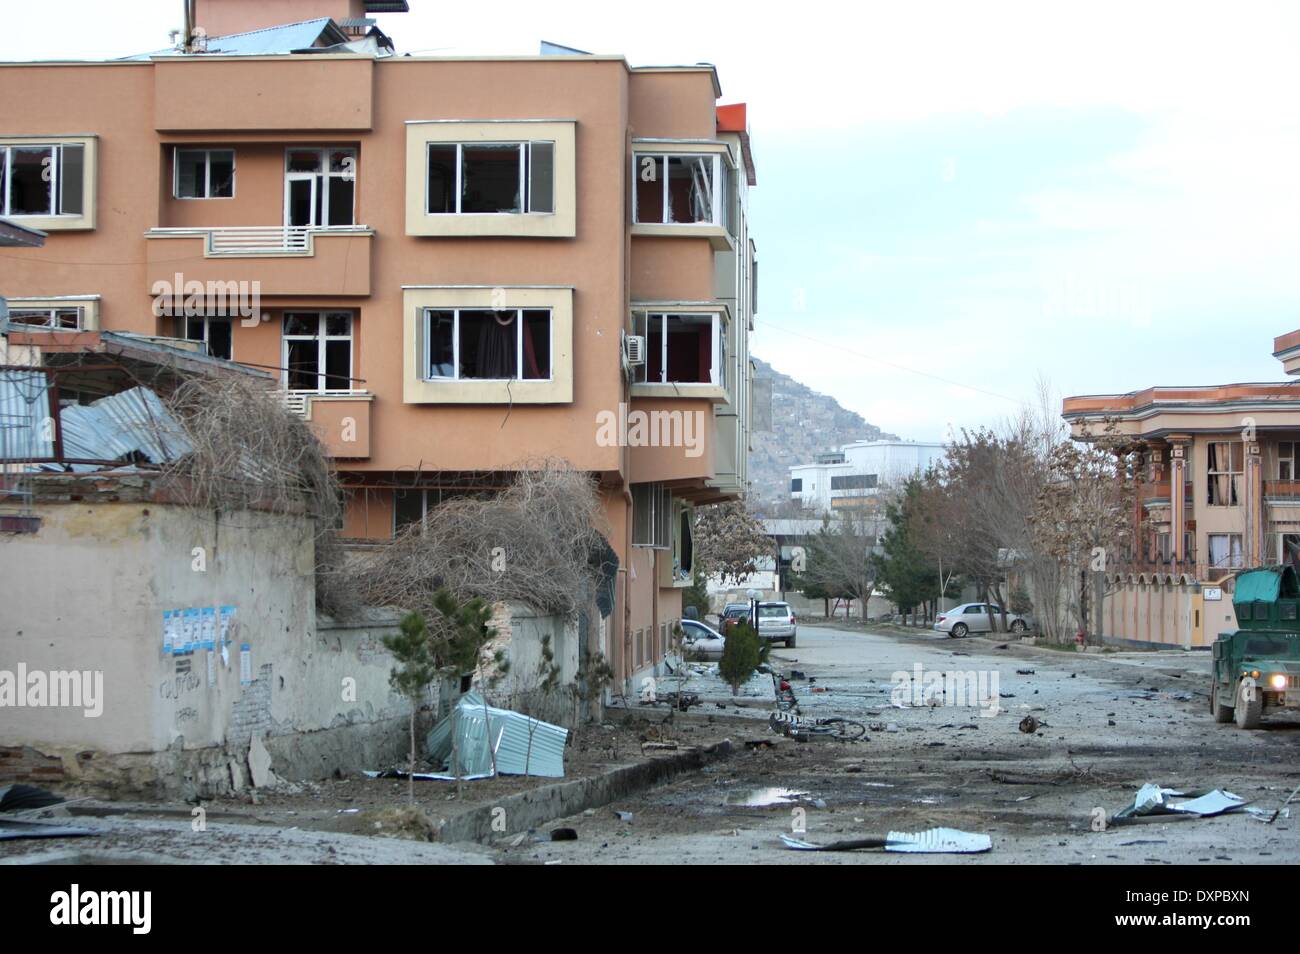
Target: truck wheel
[(1248, 711), (1221, 712)]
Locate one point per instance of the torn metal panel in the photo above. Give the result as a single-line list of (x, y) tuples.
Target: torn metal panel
[(485, 735), (12, 830), (934, 841)]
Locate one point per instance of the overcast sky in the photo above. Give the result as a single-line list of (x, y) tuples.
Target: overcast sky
[(953, 199)]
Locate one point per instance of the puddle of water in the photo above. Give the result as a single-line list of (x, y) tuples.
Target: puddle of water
[(763, 797)]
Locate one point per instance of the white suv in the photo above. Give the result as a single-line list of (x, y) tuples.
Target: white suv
[(776, 623)]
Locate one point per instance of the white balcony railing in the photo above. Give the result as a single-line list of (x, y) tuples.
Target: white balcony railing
[(259, 239)]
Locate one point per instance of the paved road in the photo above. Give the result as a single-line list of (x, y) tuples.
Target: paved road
[(1109, 724)]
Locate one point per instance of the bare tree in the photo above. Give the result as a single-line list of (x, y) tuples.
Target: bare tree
[(840, 560), (730, 541)]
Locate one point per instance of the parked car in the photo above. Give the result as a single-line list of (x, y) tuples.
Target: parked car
[(700, 641), (776, 623), (731, 614), (974, 618)]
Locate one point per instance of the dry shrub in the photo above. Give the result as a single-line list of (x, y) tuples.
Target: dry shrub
[(532, 543)]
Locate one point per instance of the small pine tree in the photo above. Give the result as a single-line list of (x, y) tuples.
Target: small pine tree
[(741, 655), (413, 674)]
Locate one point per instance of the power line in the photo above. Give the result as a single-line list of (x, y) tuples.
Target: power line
[(893, 364)]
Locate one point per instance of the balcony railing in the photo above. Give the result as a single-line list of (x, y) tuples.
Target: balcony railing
[(259, 239), (1285, 489), (281, 260)]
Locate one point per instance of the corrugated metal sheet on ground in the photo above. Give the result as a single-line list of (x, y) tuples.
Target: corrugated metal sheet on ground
[(522, 745)]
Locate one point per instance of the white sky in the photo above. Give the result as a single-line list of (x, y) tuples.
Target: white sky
[(1102, 193)]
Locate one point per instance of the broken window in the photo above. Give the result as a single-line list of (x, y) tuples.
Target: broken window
[(513, 177), (676, 189), (681, 349), (483, 344), (1225, 549), (317, 352), (215, 332), (854, 482), (67, 319), (42, 179), (320, 187), (651, 516), (1223, 467), (204, 174), (1286, 460)]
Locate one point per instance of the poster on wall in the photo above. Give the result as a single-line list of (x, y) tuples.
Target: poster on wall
[(171, 621), (245, 664), (208, 633)]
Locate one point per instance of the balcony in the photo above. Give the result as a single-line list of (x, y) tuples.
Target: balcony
[(341, 419), (282, 260), (1288, 490)]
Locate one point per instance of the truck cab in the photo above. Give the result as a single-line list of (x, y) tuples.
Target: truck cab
[(1256, 668)]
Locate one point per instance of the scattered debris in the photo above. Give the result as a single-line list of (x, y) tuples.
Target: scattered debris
[(1029, 725), (622, 816), (1024, 672), (1152, 799), (17, 798), (12, 830), (491, 740), (946, 841), (564, 834)]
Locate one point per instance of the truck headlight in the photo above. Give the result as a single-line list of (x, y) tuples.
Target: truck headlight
[(1277, 681)]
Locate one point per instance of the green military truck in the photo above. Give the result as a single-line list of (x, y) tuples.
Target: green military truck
[(1257, 667)]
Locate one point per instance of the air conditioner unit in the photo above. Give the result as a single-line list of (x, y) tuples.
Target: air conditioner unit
[(634, 350)]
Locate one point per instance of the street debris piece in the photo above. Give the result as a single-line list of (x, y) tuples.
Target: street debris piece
[(622, 816), (1029, 725), (17, 798), (489, 738), (763, 797), (12, 830), (935, 841), (1282, 809), (1151, 799), (805, 730), (564, 834)]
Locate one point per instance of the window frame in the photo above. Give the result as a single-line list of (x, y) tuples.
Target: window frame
[(717, 369), (207, 172), (183, 326), (56, 148), (427, 362), (718, 215), (1214, 467), (1288, 459), (322, 339), (1233, 561), (525, 181), (658, 519), (52, 322), (320, 178)]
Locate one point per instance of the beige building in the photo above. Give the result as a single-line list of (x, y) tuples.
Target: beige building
[(1218, 492), (450, 265)]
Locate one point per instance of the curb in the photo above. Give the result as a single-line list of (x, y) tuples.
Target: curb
[(526, 810)]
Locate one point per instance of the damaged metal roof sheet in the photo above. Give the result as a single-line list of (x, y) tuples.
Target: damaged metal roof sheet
[(522, 745), (123, 427), (286, 38)]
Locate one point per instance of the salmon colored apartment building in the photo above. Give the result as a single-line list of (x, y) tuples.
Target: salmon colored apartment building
[(1218, 492), (452, 265)]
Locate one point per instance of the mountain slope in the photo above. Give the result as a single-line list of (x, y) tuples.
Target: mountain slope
[(792, 422)]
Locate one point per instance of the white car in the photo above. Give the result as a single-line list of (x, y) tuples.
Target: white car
[(974, 618), (700, 641)]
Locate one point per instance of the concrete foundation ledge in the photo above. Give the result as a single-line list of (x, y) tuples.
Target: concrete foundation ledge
[(546, 803)]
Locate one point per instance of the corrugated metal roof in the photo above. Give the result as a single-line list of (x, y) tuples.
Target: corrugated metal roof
[(24, 407), (522, 745), (277, 39), (121, 426)]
